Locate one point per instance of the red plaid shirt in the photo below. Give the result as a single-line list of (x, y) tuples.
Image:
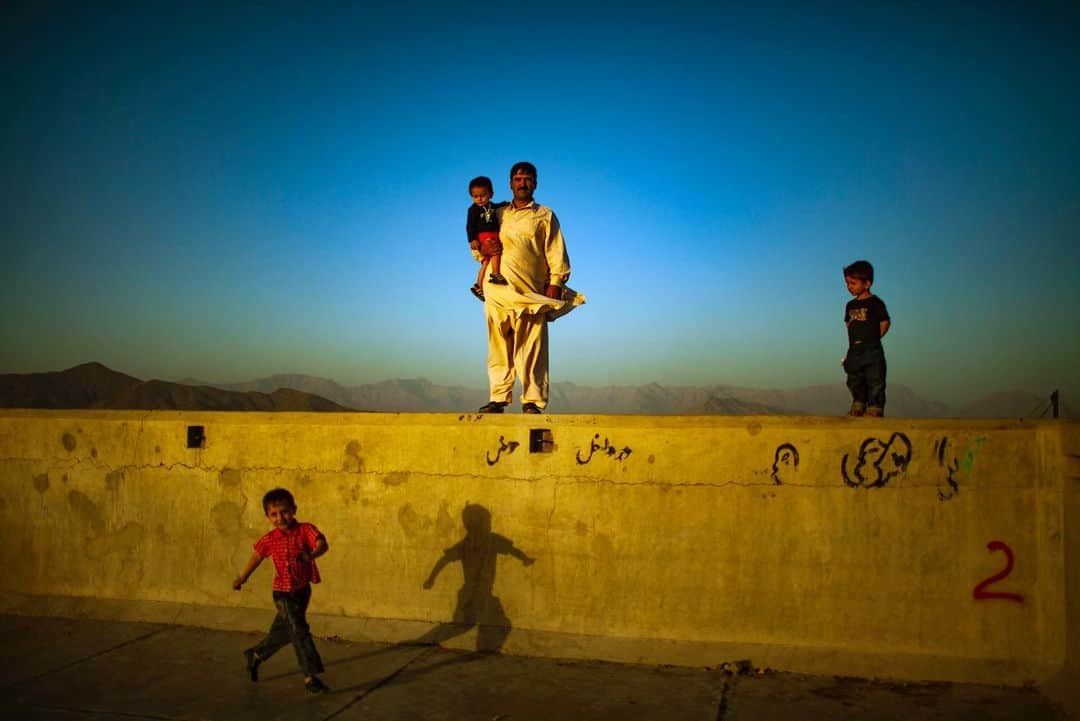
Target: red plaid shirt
[(291, 574)]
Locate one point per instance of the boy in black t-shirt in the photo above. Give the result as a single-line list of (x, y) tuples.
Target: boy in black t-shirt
[(867, 322)]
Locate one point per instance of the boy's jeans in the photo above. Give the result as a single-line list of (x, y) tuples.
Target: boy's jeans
[(866, 378), (290, 625)]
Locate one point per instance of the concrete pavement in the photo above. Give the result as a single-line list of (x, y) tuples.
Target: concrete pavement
[(91, 670)]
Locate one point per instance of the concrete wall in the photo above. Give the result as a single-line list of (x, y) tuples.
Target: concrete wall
[(847, 546)]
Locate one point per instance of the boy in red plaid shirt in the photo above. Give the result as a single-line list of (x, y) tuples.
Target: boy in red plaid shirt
[(293, 546)]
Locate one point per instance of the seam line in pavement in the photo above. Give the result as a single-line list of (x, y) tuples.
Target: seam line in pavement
[(426, 652), (92, 656), (722, 707)]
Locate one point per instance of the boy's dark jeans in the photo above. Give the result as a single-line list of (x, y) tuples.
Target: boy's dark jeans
[(866, 378), (291, 626)]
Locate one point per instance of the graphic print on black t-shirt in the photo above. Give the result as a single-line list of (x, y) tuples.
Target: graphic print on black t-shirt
[(863, 319)]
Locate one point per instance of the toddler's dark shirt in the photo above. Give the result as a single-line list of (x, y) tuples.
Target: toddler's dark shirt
[(483, 219)]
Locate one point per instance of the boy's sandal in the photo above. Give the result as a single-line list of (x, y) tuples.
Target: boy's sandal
[(252, 663), (315, 685), (477, 291), (497, 279)]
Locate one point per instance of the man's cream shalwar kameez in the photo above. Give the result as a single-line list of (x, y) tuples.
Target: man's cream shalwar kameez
[(533, 257)]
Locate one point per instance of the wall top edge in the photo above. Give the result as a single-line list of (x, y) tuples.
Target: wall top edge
[(515, 420)]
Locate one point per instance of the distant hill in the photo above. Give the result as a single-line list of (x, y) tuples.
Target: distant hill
[(92, 385), (1009, 404), (397, 396), (421, 395)]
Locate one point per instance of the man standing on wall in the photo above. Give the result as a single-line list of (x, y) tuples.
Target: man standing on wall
[(536, 267)]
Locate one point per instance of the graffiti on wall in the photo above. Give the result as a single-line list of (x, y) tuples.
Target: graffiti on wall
[(504, 446), (951, 463), (785, 463), (980, 592), (878, 461), (605, 448)]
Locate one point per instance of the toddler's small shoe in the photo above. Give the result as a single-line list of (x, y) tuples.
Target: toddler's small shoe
[(477, 291), (497, 279), (315, 685), (252, 663)]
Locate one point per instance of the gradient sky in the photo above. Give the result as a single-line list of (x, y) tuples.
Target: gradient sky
[(232, 193)]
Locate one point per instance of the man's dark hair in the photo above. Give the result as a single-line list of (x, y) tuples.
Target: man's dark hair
[(524, 167), (278, 497), (860, 269), (481, 181)]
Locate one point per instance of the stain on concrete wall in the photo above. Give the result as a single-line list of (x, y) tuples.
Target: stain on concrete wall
[(229, 477), (350, 494), (444, 523), (226, 517), (120, 556), (411, 522), (353, 462), (396, 478), (41, 482), (124, 542), (87, 511), (113, 479), (69, 442)]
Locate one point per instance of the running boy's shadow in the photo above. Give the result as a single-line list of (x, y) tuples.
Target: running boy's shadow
[(476, 604)]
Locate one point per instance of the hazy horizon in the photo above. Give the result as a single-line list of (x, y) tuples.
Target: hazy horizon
[(905, 394), (233, 194)]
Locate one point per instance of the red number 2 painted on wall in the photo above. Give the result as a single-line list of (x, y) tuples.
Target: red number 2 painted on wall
[(980, 591)]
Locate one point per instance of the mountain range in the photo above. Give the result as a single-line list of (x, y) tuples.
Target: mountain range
[(92, 385), (421, 395)]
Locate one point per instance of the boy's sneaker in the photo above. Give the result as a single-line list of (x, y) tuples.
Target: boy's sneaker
[(477, 291), (497, 279), (856, 411), (315, 685), (252, 663), (875, 412)]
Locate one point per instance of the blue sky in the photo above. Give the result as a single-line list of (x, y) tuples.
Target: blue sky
[(232, 193)]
